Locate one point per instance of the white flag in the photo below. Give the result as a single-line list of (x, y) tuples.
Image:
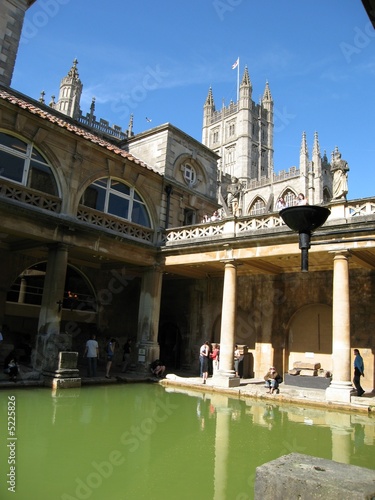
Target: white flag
[(234, 66)]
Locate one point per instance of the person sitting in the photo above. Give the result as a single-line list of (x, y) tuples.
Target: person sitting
[(157, 368), (272, 379), (11, 366)]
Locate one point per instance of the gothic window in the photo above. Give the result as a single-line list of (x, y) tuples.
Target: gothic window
[(215, 136), (190, 174), (114, 197), (290, 198), (231, 129), (21, 162), (230, 155), (258, 207)]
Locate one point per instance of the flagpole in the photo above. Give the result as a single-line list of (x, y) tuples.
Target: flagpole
[(238, 80)]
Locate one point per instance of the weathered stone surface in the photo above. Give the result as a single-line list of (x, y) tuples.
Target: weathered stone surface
[(306, 366), (307, 382), (308, 478), (294, 371), (67, 360), (308, 373), (66, 383)]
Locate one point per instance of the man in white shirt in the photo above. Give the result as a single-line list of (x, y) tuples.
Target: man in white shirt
[(92, 353)]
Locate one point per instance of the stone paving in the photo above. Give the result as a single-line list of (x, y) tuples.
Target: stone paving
[(248, 388)]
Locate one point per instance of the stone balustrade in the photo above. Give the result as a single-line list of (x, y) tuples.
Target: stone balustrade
[(242, 226)]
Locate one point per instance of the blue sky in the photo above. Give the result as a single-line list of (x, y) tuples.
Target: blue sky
[(158, 60)]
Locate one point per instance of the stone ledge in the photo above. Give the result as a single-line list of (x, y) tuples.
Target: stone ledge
[(309, 478)]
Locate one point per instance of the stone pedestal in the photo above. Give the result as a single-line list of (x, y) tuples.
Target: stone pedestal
[(340, 392), (224, 380), (66, 375)]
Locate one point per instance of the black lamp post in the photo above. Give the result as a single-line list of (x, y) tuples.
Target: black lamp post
[(304, 219)]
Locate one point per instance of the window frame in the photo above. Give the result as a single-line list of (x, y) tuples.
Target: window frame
[(29, 162), (132, 199)]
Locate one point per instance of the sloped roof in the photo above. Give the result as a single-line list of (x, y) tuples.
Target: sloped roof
[(62, 121)]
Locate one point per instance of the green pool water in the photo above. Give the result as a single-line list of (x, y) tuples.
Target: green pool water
[(140, 441)]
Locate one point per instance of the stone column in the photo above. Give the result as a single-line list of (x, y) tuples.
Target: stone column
[(148, 317), (222, 442), (341, 385), (22, 293), (226, 375), (50, 341)]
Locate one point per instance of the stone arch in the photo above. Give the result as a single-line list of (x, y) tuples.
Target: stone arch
[(309, 336), (257, 206), (79, 293), (41, 172), (24, 299), (201, 181), (133, 199), (289, 195)]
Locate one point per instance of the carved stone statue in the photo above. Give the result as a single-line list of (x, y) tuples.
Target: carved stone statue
[(234, 192), (340, 170)]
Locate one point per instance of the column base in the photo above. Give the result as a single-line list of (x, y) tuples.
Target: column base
[(62, 383), (339, 392), (224, 380)]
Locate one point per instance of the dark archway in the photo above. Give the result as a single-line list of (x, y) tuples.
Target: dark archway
[(170, 345)]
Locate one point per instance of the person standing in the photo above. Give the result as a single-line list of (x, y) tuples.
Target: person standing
[(126, 355), (237, 357), (204, 353), (281, 204), (110, 353), (301, 200), (92, 353), (215, 358), (359, 369)]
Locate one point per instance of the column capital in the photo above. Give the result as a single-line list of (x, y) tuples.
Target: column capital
[(233, 262), (341, 252)]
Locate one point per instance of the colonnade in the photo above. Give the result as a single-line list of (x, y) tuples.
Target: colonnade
[(341, 386), (149, 311)]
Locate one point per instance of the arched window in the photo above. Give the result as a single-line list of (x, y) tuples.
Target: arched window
[(258, 207), (290, 198), (112, 196), (28, 288), (21, 162)]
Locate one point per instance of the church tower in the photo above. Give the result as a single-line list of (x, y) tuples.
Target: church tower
[(12, 14), (241, 133), (70, 93)]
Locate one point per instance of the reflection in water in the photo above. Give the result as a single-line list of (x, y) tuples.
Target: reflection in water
[(142, 441)]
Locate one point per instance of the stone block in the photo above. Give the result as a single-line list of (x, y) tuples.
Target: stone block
[(67, 383), (307, 382), (67, 360), (308, 373), (306, 366), (308, 478)]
